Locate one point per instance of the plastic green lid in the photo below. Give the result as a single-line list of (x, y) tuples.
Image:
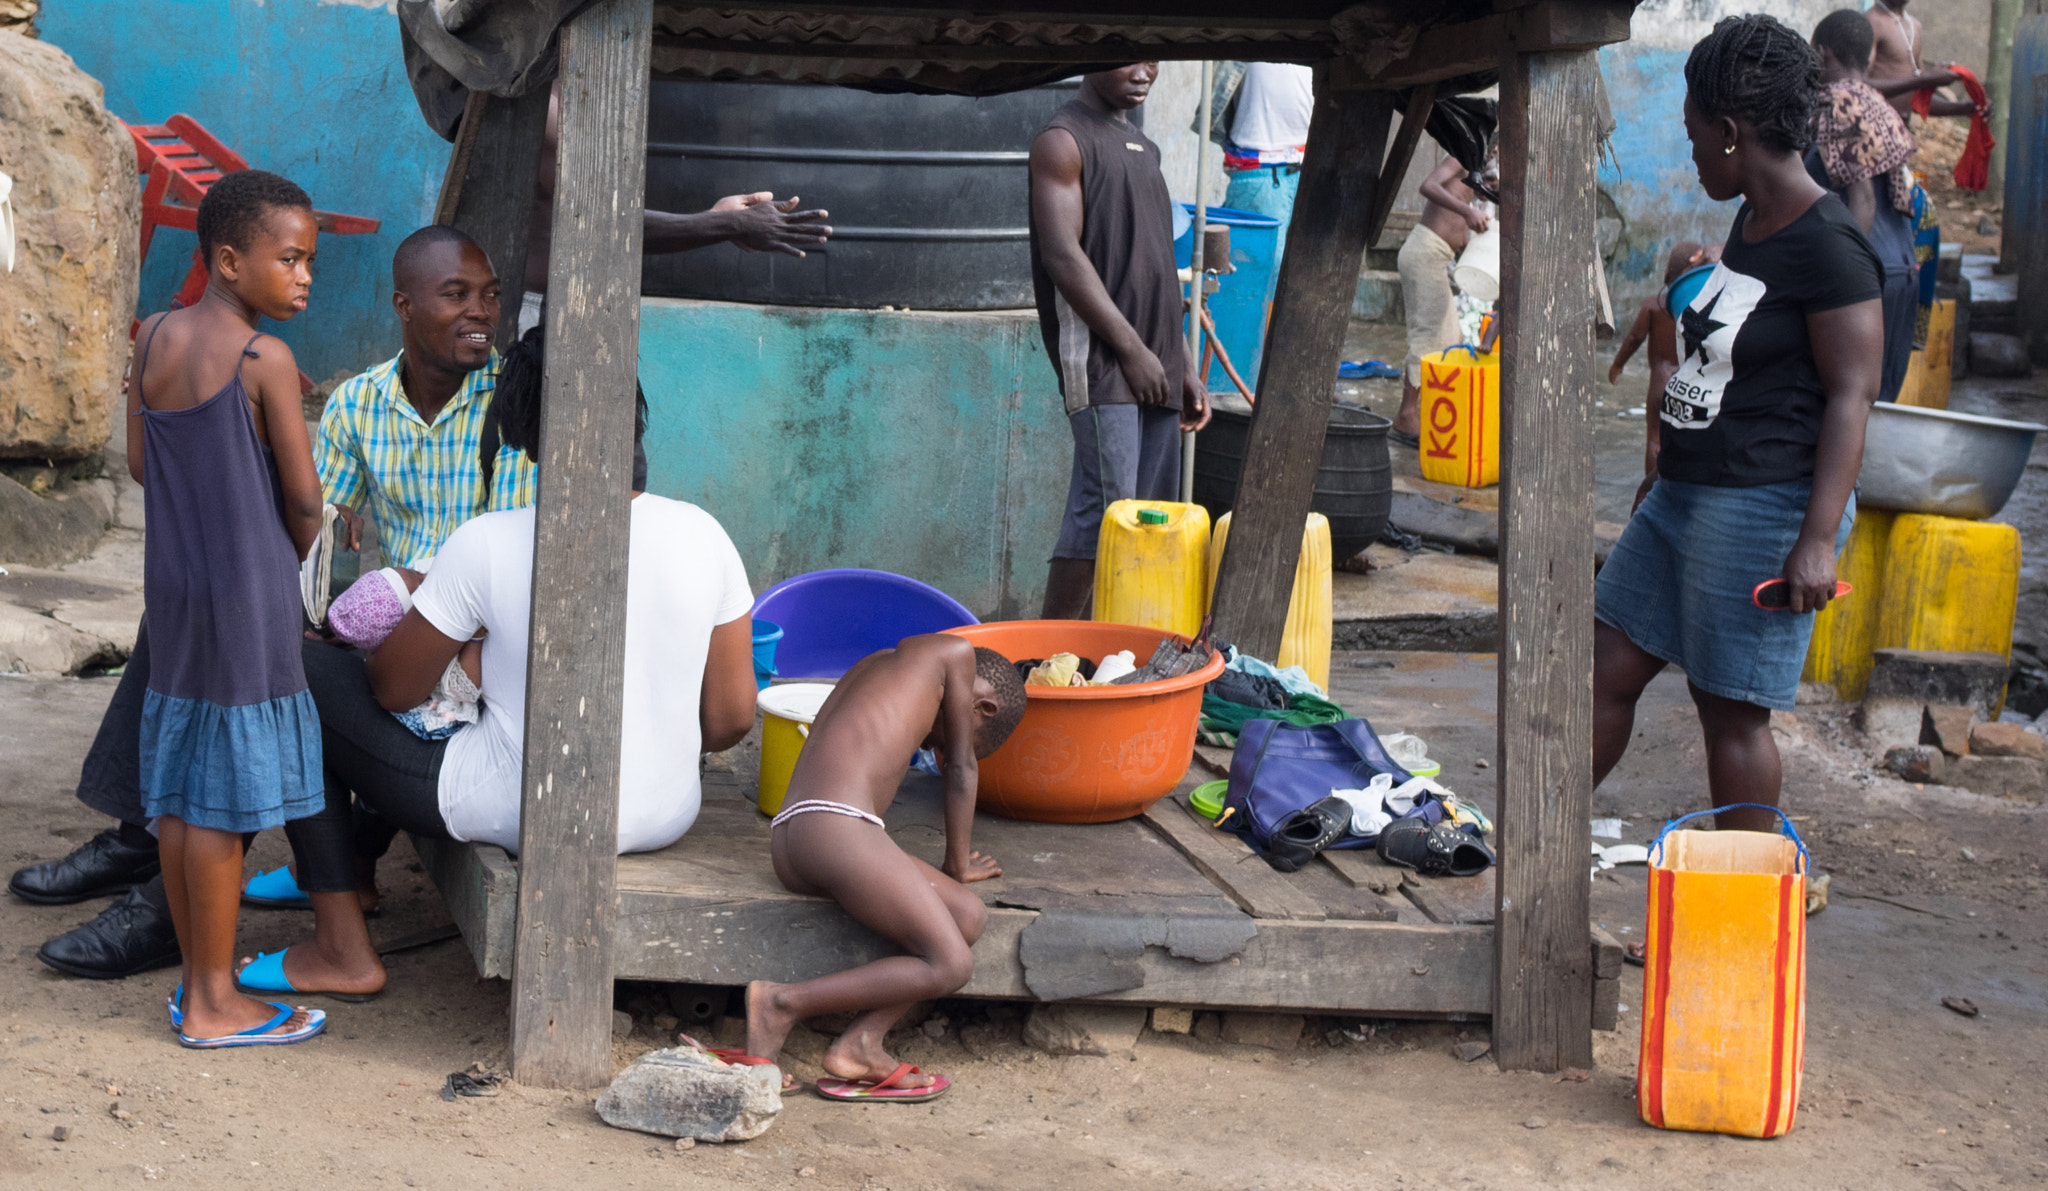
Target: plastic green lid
[(1151, 517)]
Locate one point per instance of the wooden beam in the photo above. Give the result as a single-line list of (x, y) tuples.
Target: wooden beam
[(1468, 47), (1238, 871), (1414, 118), (489, 187), (1312, 305), (1110, 51), (569, 807), (1543, 997)]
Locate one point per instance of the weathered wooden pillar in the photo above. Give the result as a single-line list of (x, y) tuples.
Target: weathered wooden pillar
[(1543, 995), (569, 807), (489, 187), (1347, 137)]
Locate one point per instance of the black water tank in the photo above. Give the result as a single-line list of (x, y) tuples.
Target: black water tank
[(1354, 486), (928, 193)]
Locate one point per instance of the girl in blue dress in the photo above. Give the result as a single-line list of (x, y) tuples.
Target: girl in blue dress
[(230, 739)]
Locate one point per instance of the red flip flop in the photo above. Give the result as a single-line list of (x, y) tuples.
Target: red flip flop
[(734, 1056), (884, 1089)]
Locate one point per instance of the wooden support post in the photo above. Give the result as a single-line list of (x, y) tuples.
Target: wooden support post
[(1543, 970), (1414, 117), (489, 187), (1347, 139), (569, 807)]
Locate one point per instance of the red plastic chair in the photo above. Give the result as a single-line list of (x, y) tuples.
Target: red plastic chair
[(180, 161)]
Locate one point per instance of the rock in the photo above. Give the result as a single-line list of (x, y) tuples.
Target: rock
[(1937, 676), (1998, 355), (622, 1024), (1536, 1123), (1812, 693), (687, 1093), (66, 307), (60, 523), (1947, 727), (1062, 1029), (60, 1133), (1917, 763), (1274, 1031), (31, 643), (2006, 740), (2002, 777), (1167, 1020), (934, 1028), (1472, 1051), (1208, 1027)]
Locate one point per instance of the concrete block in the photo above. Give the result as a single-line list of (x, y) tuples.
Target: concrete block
[(1947, 727), (2006, 740), (1922, 676), (2002, 777), (1083, 1029), (685, 1092), (1917, 763), (1274, 1031), (1378, 298), (1992, 354), (1167, 1020), (1891, 723)]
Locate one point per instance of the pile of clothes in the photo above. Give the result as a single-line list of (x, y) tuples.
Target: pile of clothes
[(1170, 660), (1250, 689)]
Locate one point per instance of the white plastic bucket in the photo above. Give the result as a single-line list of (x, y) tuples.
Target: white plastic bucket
[(1478, 271)]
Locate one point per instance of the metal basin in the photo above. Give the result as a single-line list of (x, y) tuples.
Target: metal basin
[(1934, 461)]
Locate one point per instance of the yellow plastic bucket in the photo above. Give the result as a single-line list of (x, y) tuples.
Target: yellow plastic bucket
[(1461, 418), (1305, 641), (786, 715), (1150, 565)]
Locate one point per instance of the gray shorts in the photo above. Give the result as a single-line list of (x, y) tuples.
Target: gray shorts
[(1121, 452)]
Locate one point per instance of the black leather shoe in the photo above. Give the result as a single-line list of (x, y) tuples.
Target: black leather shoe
[(131, 936), (100, 866)]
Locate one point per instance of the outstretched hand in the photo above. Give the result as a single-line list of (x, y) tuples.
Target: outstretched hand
[(978, 867), (764, 225)]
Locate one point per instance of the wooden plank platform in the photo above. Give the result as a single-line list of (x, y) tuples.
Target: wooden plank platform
[(708, 910)]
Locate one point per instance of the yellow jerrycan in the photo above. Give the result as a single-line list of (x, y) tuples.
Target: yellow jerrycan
[(1151, 565), (1845, 632), (1949, 584), (1306, 640), (1460, 418)]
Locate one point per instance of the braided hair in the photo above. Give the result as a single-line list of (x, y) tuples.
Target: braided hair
[(1756, 69), (236, 206), (514, 417)]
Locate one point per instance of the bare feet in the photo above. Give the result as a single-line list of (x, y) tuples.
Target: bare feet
[(313, 968), (768, 1023), (218, 1017), (1408, 419), (858, 1055)]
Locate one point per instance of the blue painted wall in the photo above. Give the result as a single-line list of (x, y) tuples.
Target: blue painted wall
[(309, 89), (929, 444)]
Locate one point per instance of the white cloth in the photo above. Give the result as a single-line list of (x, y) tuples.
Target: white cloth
[(685, 578), (1381, 801), (1273, 110), (530, 306)]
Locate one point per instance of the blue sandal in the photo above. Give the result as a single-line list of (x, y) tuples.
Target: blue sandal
[(275, 890), (265, 974), (316, 1021), (176, 1004)]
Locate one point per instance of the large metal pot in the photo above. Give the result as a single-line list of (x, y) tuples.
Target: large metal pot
[(1936, 461)]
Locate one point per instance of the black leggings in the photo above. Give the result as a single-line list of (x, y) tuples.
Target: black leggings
[(394, 775)]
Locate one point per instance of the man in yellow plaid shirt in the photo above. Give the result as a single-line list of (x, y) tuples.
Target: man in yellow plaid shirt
[(401, 441)]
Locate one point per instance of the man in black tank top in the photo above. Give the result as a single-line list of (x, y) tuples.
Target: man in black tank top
[(1109, 305)]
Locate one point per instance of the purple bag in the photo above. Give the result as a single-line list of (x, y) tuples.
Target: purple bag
[(1279, 769)]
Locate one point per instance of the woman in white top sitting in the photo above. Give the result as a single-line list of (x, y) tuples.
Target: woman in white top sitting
[(689, 689)]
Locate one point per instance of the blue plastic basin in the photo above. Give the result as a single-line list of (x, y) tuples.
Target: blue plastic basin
[(1686, 287), (834, 618), (1243, 299)]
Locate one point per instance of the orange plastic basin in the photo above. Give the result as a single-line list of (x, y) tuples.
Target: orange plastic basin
[(1089, 754)]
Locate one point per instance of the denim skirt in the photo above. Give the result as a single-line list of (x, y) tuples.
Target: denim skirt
[(1679, 584)]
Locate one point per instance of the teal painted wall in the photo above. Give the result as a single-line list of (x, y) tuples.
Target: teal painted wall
[(311, 89), (929, 444)]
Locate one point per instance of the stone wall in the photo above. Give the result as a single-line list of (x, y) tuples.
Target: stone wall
[(66, 308)]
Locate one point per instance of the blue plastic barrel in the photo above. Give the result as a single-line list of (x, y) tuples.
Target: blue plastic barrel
[(766, 634), (1244, 299), (831, 619)]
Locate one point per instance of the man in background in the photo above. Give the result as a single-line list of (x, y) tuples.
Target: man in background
[(1109, 306), (1268, 134)]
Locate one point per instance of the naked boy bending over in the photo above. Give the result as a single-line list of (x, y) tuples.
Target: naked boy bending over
[(935, 691)]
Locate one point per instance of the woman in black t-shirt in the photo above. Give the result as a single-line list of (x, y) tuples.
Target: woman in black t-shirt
[(1762, 429)]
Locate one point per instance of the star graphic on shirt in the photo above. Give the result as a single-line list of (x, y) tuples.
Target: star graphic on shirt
[(1698, 325)]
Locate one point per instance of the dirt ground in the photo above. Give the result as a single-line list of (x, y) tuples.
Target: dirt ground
[(1937, 893)]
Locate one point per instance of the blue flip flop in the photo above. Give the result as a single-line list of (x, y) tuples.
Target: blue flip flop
[(265, 974), (176, 1004), (316, 1021), (275, 890)]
